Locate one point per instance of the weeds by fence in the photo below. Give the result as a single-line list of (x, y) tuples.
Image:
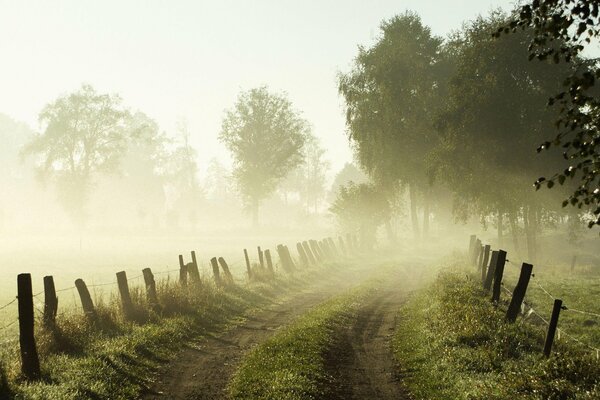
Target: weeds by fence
[(189, 276), (478, 254)]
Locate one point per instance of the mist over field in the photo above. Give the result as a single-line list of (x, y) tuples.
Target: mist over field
[(351, 149)]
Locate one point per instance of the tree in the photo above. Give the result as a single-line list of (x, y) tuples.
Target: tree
[(562, 30), (362, 208), (84, 135), (495, 115), (349, 173), (392, 90), (265, 136), (181, 175)]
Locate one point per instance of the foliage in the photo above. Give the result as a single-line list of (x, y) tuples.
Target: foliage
[(84, 135), (349, 173), (265, 136), (563, 30), (362, 208)]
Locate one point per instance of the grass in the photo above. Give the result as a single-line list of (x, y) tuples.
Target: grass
[(452, 343), (111, 358), (291, 364)]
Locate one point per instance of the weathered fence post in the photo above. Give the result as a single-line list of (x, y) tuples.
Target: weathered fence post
[(489, 273), (315, 250), (342, 247), (290, 260), (150, 287), (193, 270), (86, 299), (484, 261), (302, 254), (215, 268), (261, 259), (226, 271), (309, 253), (477, 253), (124, 293), (248, 267), (269, 261), (472, 240), (283, 258), (323, 250), (30, 363), (332, 247), (50, 301), (498, 274), (519, 292), (552, 327), (182, 272)]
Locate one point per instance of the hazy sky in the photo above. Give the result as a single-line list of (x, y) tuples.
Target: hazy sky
[(174, 59)]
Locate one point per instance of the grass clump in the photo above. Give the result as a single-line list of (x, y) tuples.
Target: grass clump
[(291, 364), (452, 343)]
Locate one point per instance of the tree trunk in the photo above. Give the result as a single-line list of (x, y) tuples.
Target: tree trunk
[(413, 210), (512, 220), (500, 229), (426, 216), (530, 227), (390, 232), (255, 213)]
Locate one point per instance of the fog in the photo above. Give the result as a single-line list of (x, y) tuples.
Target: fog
[(122, 154)]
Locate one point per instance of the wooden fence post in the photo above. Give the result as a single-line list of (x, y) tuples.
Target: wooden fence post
[(150, 287), (472, 240), (86, 299), (261, 259), (498, 274), (215, 268), (332, 247), (283, 258), (30, 363), (290, 260), (193, 270), (50, 301), (552, 327), (302, 254), (315, 250), (519, 292), (489, 273), (226, 271), (484, 261), (323, 250), (125, 295), (269, 261), (309, 253), (248, 267), (182, 272), (477, 253), (342, 247)]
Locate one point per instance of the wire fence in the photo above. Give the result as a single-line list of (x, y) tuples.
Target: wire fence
[(560, 332)]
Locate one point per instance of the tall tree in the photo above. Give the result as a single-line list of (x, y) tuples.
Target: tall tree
[(390, 95), (84, 134), (563, 29), (495, 114), (265, 136)]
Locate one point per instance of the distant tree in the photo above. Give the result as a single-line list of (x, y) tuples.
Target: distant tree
[(349, 173), (562, 30), (265, 136), (361, 208), (181, 175), (391, 93), (84, 134), (218, 181)]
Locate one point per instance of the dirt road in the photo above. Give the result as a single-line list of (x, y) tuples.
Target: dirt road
[(361, 363)]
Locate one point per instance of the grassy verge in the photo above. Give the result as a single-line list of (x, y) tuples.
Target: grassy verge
[(110, 358), (291, 364), (451, 343)]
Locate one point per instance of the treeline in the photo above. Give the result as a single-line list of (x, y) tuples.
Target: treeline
[(456, 122), (105, 163)]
